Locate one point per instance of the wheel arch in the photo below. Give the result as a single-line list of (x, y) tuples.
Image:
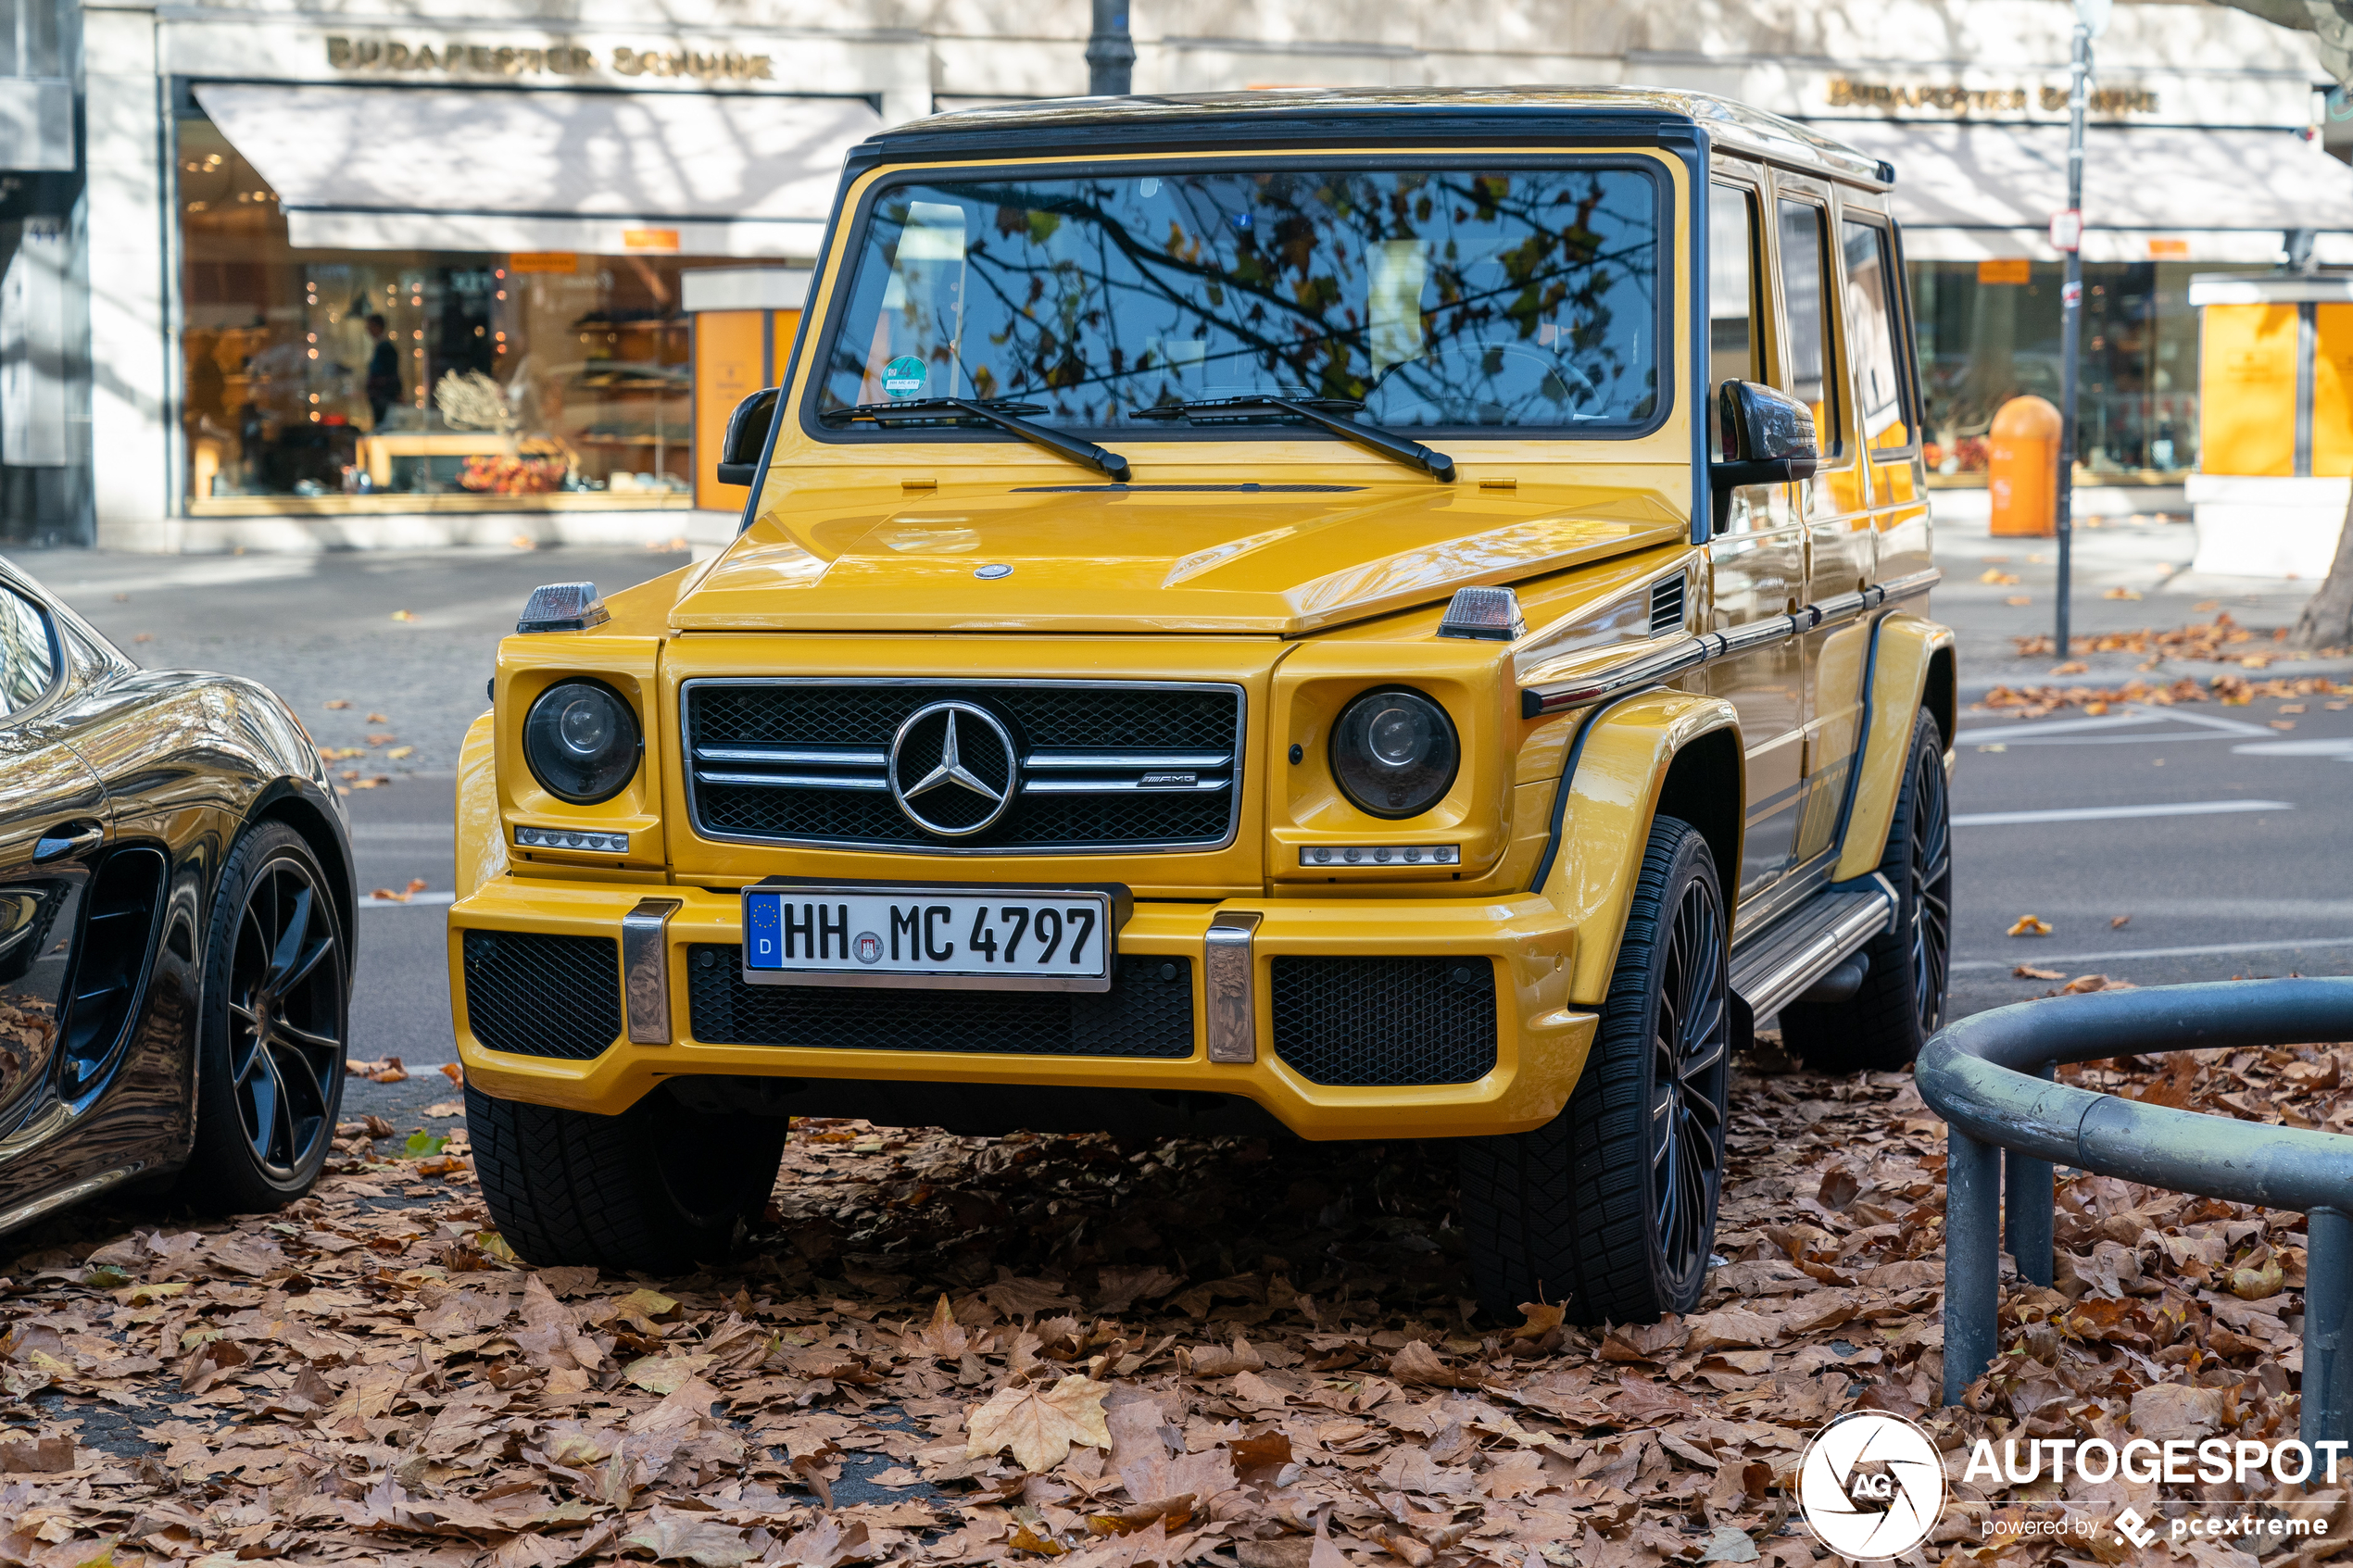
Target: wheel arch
[(1663, 751), (317, 828), (1913, 667)]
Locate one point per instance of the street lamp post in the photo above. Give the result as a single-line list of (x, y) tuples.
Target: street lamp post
[(2091, 20), (1111, 54)]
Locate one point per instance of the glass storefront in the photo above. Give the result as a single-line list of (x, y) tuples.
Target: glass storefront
[(322, 380), (1989, 332)]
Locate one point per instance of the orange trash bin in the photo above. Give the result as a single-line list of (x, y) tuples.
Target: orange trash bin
[(2021, 467)]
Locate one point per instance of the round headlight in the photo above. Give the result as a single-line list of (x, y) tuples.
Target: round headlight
[(1394, 753), (581, 740)]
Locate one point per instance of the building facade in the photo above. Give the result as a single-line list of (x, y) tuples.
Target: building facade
[(351, 279)]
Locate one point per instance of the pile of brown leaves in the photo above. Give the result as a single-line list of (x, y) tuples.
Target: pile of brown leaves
[(966, 1351), (2230, 691), (2219, 640)]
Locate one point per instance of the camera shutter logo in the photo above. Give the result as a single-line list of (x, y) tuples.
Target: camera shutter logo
[(1872, 1485)]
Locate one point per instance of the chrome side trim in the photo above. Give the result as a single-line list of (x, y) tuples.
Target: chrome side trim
[(1118, 786), (795, 780), (645, 970), (1227, 961), (25, 1213), (1536, 702), (806, 756), (1054, 762)]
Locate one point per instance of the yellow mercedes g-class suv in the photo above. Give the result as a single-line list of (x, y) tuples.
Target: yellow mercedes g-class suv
[(1377, 614)]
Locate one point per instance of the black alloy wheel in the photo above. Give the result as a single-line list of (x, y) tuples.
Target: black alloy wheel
[(1932, 863), (1692, 1053), (1609, 1209), (269, 1065)]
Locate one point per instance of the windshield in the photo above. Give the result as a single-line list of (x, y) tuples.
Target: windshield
[(1515, 298)]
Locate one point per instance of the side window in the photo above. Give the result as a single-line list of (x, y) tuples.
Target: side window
[(1805, 306), (1874, 328), (28, 661), (1731, 298)]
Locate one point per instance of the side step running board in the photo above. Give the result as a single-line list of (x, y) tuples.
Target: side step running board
[(1775, 967)]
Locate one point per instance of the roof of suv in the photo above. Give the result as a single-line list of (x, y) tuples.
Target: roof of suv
[(1344, 113)]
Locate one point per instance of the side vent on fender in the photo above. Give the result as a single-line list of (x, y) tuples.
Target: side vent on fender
[(1667, 606)]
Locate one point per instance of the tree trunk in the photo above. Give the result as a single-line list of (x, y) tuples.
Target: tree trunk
[(2327, 621)]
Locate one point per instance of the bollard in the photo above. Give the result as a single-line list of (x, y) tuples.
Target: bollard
[(2029, 1192), (2021, 467), (2328, 1299), (1972, 1260)]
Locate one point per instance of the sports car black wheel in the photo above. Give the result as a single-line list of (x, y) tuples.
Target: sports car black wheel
[(1610, 1208), (1901, 1001), (277, 1001)]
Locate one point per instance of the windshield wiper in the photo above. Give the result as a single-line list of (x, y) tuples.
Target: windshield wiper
[(1323, 411), (999, 412)]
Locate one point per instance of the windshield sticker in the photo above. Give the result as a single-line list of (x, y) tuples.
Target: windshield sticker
[(903, 377)]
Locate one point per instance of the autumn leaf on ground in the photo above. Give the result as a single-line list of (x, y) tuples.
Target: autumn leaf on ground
[(2027, 971), (381, 737), (378, 719), (1417, 1363), (2084, 984), (388, 896), (1039, 1425), (339, 702), (404, 615), (2119, 923), (2018, 601), (2258, 1282), (389, 1070), (442, 1109), (1543, 1318), (947, 1339), (2031, 926), (1999, 579), (454, 1072), (422, 1145), (44, 1456), (2120, 594), (417, 884), (686, 1538), (401, 753)]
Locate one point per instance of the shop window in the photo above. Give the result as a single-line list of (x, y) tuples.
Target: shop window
[(380, 380), (1806, 283), (1876, 328), (1989, 332), (1731, 298)]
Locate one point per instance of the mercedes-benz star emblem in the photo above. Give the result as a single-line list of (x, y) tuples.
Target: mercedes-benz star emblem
[(952, 769)]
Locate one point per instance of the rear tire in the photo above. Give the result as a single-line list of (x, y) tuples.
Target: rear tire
[(656, 1190), (1610, 1209), (1901, 1002)]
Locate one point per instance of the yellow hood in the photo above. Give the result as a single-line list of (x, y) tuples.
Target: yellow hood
[(1278, 561)]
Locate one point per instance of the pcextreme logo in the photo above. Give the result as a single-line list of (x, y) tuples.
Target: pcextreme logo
[(1872, 1485)]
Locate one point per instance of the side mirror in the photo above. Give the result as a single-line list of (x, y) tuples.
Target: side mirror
[(746, 434), (1767, 439)]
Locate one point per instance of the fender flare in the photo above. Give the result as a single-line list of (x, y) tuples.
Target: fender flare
[(1912, 665), (481, 832), (1617, 774)]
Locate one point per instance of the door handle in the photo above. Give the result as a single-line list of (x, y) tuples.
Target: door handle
[(68, 841)]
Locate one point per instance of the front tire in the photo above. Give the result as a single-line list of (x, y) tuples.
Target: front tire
[(656, 1190), (277, 1006), (1610, 1209), (1901, 1002)]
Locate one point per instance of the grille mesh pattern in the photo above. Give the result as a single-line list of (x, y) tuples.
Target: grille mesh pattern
[(1095, 719), (1389, 1021), (1147, 1012), (537, 994)]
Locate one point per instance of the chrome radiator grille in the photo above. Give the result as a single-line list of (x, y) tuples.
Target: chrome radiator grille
[(1077, 765)]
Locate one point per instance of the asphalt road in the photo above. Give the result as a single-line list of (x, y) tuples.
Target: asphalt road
[(2233, 889)]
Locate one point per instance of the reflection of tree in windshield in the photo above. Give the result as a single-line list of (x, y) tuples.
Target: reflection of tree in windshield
[(1435, 297)]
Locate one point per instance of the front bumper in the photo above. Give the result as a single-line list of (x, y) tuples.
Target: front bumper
[(1541, 1040)]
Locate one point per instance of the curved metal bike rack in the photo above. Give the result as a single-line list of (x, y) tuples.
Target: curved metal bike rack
[(1989, 1078)]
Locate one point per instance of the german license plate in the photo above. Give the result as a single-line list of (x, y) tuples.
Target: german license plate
[(1002, 939)]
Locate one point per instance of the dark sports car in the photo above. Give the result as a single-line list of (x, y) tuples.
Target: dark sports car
[(175, 927)]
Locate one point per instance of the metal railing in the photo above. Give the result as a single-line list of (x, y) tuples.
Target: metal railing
[(1990, 1078)]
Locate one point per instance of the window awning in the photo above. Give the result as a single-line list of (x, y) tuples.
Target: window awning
[(2150, 193), (438, 168)]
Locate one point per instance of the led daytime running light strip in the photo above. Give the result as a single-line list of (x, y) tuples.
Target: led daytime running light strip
[(548, 839)]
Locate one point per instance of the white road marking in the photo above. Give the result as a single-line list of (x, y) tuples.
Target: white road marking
[(414, 901), (2115, 813), (2055, 726), (366, 833), (2044, 960), (2341, 748)]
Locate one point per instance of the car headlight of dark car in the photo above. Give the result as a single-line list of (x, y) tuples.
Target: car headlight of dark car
[(1394, 752), (582, 741)]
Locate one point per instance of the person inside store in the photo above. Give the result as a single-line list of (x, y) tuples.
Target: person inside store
[(383, 371)]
